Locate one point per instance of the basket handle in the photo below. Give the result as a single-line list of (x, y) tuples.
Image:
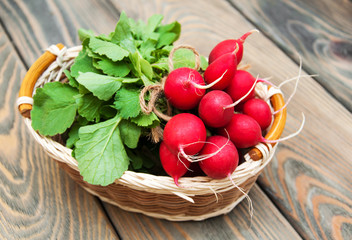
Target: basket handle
[(31, 77), (277, 101)]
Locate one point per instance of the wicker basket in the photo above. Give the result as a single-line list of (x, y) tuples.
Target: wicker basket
[(156, 196)]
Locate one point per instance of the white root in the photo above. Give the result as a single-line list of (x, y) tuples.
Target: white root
[(250, 204), (211, 84), (291, 135), (198, 158), (297, 78)]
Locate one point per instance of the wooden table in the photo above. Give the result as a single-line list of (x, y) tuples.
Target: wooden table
[(306, 191)]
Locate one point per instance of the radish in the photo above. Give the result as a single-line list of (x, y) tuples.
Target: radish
[(240, 85), (229, 45), (221, 71), (173, 165), (185, 133), (243, 131), (259, 110), (221, 162), (223, 157), (180, 90), (212, 109)]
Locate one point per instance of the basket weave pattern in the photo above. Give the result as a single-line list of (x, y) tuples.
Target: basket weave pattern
[(156, 196), (162, 205)]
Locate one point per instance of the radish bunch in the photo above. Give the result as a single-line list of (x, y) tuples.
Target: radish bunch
[(219, 114)]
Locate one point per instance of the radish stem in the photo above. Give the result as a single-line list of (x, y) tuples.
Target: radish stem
[(244, 36)]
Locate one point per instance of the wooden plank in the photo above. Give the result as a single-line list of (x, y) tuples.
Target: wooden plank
[(327, 120), (310, 179), (267, 223), (35, 25), (37, 199), (38, 24), (320, 31)]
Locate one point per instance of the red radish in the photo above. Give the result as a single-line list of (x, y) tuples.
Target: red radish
[(173, 165), (229, 45), (243, 131), (240, 85), (185, 133), (222, 161), (221, 71), (223, 157), (212, 109), (179, 88), (259, 110)]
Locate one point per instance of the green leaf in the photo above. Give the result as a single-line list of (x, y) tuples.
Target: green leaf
[(123, 34), (116, 69), (153, 23), (108, 111), (102, 86), (127, 102), (146, 81), (166, 39), (168, 34), (203, 63), (82, 90), (138, 64), (136, 159), (162, 52), (95, 56), (162, 64), (146, 49), (54, 108), (130, 133), (85, 34), (131, 80), (105, 37), (83, 63), (89, 106), (73, 135), (182, 58), (111, 50), (71, 80), (137, 28), (95, 62), (144, 120), (146, 68), (100, 153), (186, 58)]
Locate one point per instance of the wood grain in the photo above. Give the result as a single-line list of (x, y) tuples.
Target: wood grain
[(310, 179), (77, 18), (35, 25), (267, 223), (37, 199), (320, 31)]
